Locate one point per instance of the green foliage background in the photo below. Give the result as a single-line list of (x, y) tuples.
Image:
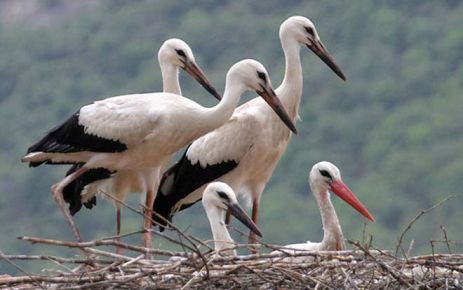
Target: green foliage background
[(395, 128)]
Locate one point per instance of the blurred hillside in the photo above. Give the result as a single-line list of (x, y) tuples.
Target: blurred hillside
[(395, 128)]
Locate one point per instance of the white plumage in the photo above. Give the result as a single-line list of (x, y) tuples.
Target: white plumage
[(217, 199), (173, 54), (263, 139), (165, 123), (323, 178)]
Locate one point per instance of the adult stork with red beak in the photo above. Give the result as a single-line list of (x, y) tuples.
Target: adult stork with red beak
[(324, 178)]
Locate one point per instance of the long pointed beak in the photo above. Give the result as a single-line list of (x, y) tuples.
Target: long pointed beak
[(319, 49), (268, 94), (193, 70), (239, 213), (344, 192)]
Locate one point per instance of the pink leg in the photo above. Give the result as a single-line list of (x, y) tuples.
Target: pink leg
[(255, 214), (148, 211), (57, 190)]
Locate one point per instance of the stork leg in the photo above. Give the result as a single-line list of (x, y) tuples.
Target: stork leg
[(119, 250), (255, 214), (256, 194), (57, 190), (148, 212)]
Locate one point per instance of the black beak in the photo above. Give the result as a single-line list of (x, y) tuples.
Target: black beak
[(319, 49), (193, 70), (268, 94), (239, 213)]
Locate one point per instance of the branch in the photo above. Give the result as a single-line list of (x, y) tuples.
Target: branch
[(417, 217)]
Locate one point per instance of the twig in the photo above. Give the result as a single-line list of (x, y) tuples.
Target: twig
[(422, 212), (446, 239), (381, 264), (196, 250), (103, 243), (34, 281)]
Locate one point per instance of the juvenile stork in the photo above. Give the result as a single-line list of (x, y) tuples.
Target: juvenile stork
[(218, 197), (174, 54), (324, 178), (140, 132), (244, 152)]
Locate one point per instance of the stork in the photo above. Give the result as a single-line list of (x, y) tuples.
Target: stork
[(218, 197), (325, 177), (246, 162), (173, 54), (140, 132)]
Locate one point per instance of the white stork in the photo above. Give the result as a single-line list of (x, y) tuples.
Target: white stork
[(324, 178), (218, 197), (244, 152), (173, 54), (140, 132)]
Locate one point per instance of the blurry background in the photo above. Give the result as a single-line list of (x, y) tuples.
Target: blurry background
[(395, 128)]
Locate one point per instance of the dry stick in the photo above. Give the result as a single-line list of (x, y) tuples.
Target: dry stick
[(196, 250), (446, 239), (54, 259), (123, 235), (422, 212), (172, 240), (348, 279), (34, 281), (201, 243), (380, 263), (103, 243)]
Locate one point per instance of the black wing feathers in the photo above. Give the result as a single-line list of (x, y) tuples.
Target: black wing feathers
[(70, 137), (182, 179), (72, 193)]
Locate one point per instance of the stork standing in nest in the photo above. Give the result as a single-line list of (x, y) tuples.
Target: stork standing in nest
[(245, 151), (140, 132)]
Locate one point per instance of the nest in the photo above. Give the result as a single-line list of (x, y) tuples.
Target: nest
[(199, 267), (360, 268)]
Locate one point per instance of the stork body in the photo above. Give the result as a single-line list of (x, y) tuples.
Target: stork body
[(173, 55), (140, 132), (323, 178), (218, 198), (245, 163)]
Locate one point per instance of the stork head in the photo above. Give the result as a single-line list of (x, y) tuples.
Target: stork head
[(304, 32), (252, 75), (325, 176), (220, 196), (176, 52)]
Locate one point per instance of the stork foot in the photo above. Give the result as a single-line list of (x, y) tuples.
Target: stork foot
[(58, 197)]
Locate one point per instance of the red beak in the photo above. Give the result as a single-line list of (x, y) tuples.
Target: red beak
[(341, 190)]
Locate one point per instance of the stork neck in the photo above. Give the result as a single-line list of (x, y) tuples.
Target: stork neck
[(220, 113), (332, 234), (290, 90), (222, 238), (170, 81)]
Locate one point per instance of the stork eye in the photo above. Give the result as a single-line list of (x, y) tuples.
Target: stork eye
[(326, 174), (309, 30), (262, 76), (180, 52), (223, 195)]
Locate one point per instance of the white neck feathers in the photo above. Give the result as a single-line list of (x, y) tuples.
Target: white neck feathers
[(290, 90), (222, 238), (333, 238), (170, 80)]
